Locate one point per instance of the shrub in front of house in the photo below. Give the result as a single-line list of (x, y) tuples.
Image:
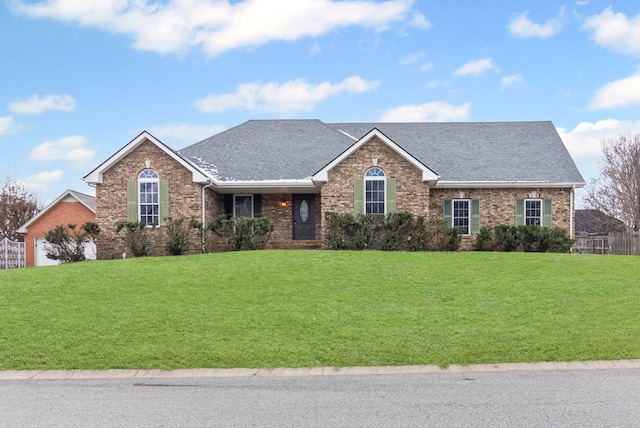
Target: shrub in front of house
[(397, 231), (242, 233), (177, 236), (135, 237), (529, 238)]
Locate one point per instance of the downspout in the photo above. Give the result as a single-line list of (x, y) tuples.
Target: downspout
[(573, 195), (203, 216)]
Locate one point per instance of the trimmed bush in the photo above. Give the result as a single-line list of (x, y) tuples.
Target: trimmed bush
[(397, 231), (177, 232), (242, 233), (135, 237), (523, 238)]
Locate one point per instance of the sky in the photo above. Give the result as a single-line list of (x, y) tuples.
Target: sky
[(79, 79)]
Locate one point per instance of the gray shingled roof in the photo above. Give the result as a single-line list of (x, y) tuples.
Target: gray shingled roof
[(268, 150), (463, 151), (89, 201)]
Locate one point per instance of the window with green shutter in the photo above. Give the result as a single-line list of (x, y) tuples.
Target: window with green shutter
[(148, 199), (475, 216), (448, 221), (534, 212), (391, 195), (375, 193), (358, 196), (463, 214)]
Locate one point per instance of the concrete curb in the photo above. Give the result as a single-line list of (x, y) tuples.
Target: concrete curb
[(310, 371)]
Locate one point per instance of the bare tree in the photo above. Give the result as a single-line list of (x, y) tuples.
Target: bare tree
[(17, 206), (616, 192)]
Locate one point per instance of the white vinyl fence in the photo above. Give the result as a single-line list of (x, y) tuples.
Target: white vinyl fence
[(12, 254)]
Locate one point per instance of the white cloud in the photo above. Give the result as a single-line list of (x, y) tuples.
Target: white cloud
[(185, 132), (509, 81), (8, 125), (616, 31), (619, 93), (411, 58), (418, 20), (37, 104), (584, 142), (437, 111), (289, 97), (426, 66), (523, 28), (476, 67), (71, 149), (39, 183), (218, 26)]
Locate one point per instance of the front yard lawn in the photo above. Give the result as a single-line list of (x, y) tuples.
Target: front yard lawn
[(320, 308)]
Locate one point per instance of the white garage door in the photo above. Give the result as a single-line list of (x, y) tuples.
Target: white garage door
[(43, 260), (41, 254)]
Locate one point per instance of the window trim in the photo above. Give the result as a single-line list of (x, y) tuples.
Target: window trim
[(154, 180), (468, 217), (377, 178), (541, 215)]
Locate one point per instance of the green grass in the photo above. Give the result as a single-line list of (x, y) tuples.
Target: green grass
[(320, 308)]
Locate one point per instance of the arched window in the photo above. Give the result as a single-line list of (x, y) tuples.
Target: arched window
[(149, 197), (375, 191)]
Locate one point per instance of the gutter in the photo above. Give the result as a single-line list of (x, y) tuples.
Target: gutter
[(502, 184)]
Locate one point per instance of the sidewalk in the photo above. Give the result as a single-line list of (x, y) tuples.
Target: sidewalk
[(312, 371)]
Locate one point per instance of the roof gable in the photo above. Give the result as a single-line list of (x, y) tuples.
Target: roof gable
[(427, 173), (95, 176), (88, 201)]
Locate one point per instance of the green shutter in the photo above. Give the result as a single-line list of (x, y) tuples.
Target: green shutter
[(391, 195), (475, 216), (448, 218), (358, 196), (164, 201), (519, 212), (132, 201), (547, 213)]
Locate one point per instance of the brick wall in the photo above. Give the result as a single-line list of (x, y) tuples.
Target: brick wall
[(412, 194), (185, 198), (497, 206), (63, 213)]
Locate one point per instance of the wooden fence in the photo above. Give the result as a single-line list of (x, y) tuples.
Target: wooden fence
[(624, 243), (612, 243), (12, 254)]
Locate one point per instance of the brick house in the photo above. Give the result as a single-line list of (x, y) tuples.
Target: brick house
[(468, 174), (70, 207)]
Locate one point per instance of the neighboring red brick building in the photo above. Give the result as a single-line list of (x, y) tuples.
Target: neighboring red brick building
[(69, 208)]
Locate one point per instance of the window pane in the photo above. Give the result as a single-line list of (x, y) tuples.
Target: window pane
[(533, 212), (148, 197), (461, 216), (243, 206)]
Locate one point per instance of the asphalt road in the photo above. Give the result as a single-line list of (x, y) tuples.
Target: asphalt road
[(584, 398)]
